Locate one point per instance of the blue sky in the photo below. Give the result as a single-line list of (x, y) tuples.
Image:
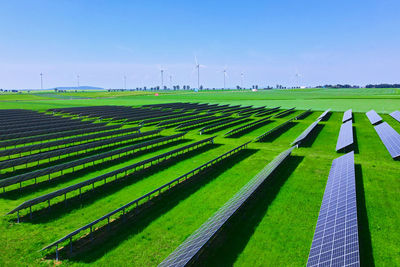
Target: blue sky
[(338, 41)]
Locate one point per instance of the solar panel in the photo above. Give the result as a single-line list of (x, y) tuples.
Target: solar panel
[(335, 241), (390, 138), (345, 138), (324, 114), (373, 117), (305, 134), (348, 115), (395, 115), (194, 243)]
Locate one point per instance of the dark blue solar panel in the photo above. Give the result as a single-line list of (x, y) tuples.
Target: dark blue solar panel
[(345, 138), (373, 117), (396, 115), (335, 241), (348, 115), (390, 138)]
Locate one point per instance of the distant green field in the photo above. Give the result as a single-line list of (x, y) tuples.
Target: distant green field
[(360, 100), (275, 230)]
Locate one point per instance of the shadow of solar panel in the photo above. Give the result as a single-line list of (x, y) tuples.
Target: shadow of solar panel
[(335, 241), (390, 138), (188, 250), (348, 115), (345, 138), (395, 115), (373, 117)]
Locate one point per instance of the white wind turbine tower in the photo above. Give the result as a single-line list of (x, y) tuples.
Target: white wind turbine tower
[(225, 75), (41, 81), (162, 76), (298, 75), (197, 67), (241, 80)]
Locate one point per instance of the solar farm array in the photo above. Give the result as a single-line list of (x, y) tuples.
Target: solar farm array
[(43, 153)]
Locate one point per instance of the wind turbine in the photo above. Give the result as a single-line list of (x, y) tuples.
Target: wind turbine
[(41, 81), (198, 66), (162, 76), (125, 82), (77, 77), (298, 75), (241, 80), (225, 75)]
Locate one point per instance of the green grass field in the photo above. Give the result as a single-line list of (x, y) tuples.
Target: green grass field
[(277, 226)]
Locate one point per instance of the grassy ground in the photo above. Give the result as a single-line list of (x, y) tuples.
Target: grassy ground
[(276, 227), (361, 100)]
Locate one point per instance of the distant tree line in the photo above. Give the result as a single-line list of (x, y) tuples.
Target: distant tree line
[(383, 85), (338, 86)]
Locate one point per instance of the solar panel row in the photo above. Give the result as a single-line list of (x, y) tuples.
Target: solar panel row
[(310, 128), (345, 138), (305, 134), (324, 114), (262, 136), (67, 142), (93, 160), (303, 114), (47, 137), (251, 111), (396, 115), (348, 115), (156, 120), (33, 121), (247, 126), (119, 173), (48, 131), (390, 138), (373, 117), (223, 123), (68, 151), (284, 113), (267, 112), (154, 193), (195, 123), (118, 112), (182, 120), (45, 126), (335, 241), (192, 246)]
